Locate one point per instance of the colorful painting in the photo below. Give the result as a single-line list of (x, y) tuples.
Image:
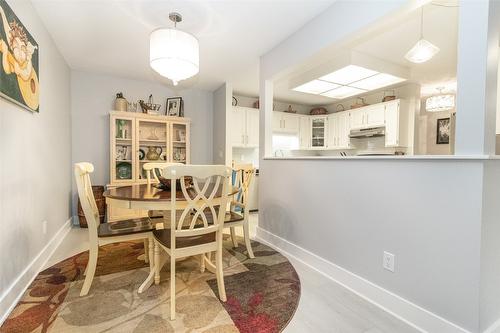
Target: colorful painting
[(19, 55)]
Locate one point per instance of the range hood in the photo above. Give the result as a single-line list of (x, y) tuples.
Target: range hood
[(370, 132)]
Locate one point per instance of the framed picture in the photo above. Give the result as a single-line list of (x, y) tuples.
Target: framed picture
[(174, 107), (443, 131), (19, 61)]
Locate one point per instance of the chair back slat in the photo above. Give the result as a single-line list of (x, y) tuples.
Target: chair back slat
[(82, 172), (242, 181), (206, 196)]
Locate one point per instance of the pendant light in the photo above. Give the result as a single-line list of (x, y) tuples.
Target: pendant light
[(173, 53), (440, 102), (423, 50)]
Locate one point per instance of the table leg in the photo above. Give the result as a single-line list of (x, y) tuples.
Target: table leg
[(159, 262)]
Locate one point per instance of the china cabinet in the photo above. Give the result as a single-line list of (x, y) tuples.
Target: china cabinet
[(138, 138)]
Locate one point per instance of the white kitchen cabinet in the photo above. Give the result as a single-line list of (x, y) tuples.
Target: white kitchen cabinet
[(244, 127), (368, 116), (305, 132), (319, 129), (338, 130), (252, 122), (286, 122), (396, 123)]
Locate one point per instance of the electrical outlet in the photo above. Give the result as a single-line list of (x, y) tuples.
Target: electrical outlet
[(44, 227), (388, 261)]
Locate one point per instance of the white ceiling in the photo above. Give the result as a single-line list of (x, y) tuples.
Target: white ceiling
[(112, 37), (391, 44)]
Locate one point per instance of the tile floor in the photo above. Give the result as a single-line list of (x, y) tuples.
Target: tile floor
[(325, 306)]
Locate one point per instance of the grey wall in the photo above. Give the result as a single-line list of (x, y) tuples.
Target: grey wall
[(348, 212), (490, 248), (92, 98), (35, 162), (222, 104)]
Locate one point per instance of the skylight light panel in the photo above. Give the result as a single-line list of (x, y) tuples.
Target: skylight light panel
[(377, 81), (316, 87), (348, 74), (343, 92)]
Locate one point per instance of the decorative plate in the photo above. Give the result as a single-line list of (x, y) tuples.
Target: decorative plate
[(142, 154), (124, 170)]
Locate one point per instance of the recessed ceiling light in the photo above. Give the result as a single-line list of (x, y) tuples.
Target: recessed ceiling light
[(377, 81), (348, 74), (343, 92), (316, 87)]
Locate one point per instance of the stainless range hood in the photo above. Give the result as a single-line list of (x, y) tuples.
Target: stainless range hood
[(371, 132)]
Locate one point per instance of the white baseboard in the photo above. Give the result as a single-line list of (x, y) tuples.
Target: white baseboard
[(11, 296), (414, 315), (494, 328)]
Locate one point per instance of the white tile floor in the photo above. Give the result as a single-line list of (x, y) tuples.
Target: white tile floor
[(324, 306)]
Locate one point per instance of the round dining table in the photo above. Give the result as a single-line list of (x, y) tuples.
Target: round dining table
[(149, 197)]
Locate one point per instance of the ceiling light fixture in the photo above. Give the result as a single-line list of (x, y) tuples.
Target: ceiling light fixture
[(440, 102), (316, 87), (377, 81), (343, 92), (423, 50), (173, 53), (348, 75)]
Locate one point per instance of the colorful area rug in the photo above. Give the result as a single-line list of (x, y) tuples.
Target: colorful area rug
[(262, 295)]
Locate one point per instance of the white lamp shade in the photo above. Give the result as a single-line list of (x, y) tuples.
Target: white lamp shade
[(174, 54), (440, 103), (422, 51)]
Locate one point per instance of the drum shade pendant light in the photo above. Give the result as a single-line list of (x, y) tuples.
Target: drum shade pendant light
[(174, 54), (423, 50)]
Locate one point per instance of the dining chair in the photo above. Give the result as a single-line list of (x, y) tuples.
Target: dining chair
[(238, 214), (106, 233), (196, 219)]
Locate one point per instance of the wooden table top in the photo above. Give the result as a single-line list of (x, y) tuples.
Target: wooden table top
[(144, 192)]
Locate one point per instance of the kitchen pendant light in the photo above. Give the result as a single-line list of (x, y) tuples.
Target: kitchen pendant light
[(173, 53), (440, 102), (423, 50)]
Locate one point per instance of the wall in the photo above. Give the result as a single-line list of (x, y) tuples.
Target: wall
[(430, 119), (221, 107), (278, 105), (35, 167), (362, 208), (92, 97)]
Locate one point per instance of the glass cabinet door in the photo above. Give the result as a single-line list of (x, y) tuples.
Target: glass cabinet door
[(152, 143), (318, 132), (122, 168), (180, 143)]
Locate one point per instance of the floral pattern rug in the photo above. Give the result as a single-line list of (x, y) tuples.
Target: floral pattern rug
[(262, 295)]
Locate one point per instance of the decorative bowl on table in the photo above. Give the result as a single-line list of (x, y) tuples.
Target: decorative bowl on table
[(165, 183)]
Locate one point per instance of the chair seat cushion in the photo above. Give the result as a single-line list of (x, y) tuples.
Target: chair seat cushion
[(163, 237), (125, 227), (232, 217)]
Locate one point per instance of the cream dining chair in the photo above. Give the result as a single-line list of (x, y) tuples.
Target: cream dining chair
[(106, 233), (196, 223), (238, 214)]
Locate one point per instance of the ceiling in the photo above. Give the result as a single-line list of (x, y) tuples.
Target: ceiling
[(391, 44), (112, 37)]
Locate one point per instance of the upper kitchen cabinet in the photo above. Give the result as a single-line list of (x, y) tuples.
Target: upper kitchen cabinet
[(368, 116), (305, 132), (285, 122), (338, 130), (244, 128), (396, 123), (319, 132)]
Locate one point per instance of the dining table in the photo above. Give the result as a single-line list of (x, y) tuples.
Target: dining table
[(152, 198)]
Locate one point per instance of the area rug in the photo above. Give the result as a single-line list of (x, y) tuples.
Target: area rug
[(262, 295)]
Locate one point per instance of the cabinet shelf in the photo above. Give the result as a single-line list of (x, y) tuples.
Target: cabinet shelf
[(156, 141), (151, 161), (120, 161)]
